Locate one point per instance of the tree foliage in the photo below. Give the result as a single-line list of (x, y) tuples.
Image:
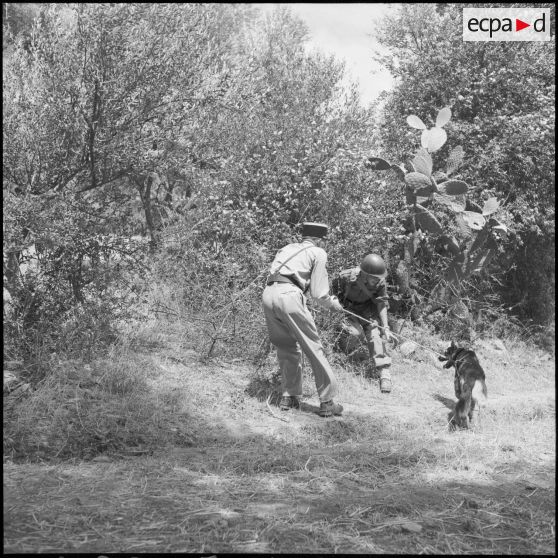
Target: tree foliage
[(182, 144), (501, 97), (203, 126), (96, 109)]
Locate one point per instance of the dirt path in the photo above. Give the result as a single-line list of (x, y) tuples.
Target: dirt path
[(386, 477)]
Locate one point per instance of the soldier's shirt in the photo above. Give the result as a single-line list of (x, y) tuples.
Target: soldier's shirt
[(307, 267), (351, 288)]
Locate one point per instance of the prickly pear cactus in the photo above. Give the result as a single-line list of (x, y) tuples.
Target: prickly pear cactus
[(426, 192)]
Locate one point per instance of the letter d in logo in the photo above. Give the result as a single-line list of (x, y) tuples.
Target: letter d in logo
[(542, 21)]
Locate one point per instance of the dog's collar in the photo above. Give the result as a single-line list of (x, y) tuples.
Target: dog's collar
[(463, 357), (460, 355)]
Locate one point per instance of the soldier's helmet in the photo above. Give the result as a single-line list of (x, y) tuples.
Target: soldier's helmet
[(372, 264)]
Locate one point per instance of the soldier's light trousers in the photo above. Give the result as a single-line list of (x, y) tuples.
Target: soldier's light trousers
[(292, 330), (352, 331)]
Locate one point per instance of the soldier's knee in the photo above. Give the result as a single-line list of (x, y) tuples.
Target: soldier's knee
[(373, 333), (352, 331)]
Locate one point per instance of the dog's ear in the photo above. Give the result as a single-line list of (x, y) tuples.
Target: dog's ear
[(453, 345)]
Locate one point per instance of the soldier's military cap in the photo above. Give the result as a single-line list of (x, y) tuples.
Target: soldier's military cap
[(318, 230)]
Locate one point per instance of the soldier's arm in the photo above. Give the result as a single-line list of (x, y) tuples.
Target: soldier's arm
[(380, 296), (382, 304), (319, 282), (383, 313)]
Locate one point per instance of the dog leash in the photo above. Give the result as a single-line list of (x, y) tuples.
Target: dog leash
[(397, 334)]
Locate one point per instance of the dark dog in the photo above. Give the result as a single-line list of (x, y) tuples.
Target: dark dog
[(469, 382)]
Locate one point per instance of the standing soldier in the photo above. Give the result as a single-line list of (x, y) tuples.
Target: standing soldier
[(362, 290), (297, 269)]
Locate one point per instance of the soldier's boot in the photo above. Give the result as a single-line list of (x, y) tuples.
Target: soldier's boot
[(385, 380), (329, 408), (289, 402)]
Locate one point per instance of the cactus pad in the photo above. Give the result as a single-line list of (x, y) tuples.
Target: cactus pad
[(377, 163), (455, 159), (453, 187), (474, 220), (433, 139), (490, 206), (426, 220), (443, 117), (417, 180), (423, 162), (455, 204), (398, 171), (415, 122)]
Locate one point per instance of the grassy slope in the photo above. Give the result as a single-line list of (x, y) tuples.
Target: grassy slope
[(387, 476)]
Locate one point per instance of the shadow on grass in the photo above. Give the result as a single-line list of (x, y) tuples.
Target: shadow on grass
[(289, 497), (308, 408), (268, 388), (351, 484), (264, 384), (450, 404)]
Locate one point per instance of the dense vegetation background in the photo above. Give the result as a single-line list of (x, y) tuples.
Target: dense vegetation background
[(157, 155)]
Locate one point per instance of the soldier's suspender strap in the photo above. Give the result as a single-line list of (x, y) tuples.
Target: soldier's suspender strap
[(271, 277), (362, 286), (291, 257)]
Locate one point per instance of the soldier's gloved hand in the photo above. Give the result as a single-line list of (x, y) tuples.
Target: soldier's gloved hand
[(336, 306)]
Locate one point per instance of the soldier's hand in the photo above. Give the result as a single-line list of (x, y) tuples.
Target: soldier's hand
[(336, 307), (389, 336)]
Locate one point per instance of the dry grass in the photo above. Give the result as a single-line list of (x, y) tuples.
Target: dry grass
[(386, 477), (82, 410)]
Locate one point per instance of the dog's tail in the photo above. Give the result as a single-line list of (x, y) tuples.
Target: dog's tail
[(479, 391)]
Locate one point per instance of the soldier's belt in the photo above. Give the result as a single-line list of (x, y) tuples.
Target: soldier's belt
[(282, 279)]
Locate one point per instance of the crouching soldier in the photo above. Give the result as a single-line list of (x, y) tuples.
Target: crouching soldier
[(362, 290)]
